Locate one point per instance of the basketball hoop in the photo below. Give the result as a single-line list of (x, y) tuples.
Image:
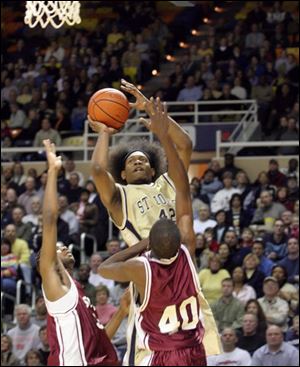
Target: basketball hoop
[(55, 13)]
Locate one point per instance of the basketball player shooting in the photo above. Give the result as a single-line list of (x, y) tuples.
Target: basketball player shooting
[(167, 299), (76, 336), (134, 186)]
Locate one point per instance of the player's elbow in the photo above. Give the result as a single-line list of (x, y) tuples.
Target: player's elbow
[(97, 170)]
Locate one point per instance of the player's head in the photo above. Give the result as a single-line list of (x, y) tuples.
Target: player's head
[(64, 255), (164, 239), (139, 162)]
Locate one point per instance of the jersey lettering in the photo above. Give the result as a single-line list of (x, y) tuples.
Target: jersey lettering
[(169, 323), (171, 213)]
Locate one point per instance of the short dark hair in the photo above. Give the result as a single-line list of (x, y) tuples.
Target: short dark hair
[(230, 280), (153, 151), (164, 238)]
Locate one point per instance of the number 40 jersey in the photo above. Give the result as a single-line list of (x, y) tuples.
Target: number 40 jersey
[(169, 317), (143, 205)]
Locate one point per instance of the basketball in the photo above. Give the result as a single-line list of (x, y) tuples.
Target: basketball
[(110, 107)]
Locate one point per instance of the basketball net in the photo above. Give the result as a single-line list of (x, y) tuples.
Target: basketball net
[(55, 13)]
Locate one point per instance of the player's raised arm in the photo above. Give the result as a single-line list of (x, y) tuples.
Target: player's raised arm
[(48, 262), (158, 124), (178, 136), (104, 181)]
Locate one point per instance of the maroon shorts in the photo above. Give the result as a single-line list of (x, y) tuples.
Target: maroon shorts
[(194, 356)]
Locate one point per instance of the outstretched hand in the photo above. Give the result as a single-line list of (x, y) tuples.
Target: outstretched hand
[(53, 161), (139, 104), (159, 122)]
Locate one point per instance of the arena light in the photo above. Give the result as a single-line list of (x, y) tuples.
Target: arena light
[(154, 72), (194, 32), (206, 21), (217, 9), (170, 58), (183, 45)]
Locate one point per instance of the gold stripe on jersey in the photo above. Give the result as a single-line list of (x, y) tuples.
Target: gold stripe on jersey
[(143, 205)]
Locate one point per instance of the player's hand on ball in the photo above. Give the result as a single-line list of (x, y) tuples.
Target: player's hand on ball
[(98, 127), (54, 162), (140, 98)]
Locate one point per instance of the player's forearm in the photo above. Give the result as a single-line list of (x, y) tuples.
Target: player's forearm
[(114, 323), (50, 206), (179, 136), (127, 254), (176, 169), (100, 154)]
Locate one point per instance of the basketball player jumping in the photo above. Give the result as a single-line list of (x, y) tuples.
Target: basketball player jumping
[(134, 188), (168, 301), (76, 336)]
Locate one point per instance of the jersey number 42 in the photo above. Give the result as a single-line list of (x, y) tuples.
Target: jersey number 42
[(169, 323)]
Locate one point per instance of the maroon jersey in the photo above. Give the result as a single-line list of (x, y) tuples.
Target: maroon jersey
[(169, 317), (76, 337)]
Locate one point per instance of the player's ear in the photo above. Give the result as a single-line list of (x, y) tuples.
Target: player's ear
[(152, 172), (123, 175)]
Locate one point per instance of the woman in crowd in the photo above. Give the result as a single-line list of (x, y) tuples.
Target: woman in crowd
[(241, 291), (253, 306), (254, 277)]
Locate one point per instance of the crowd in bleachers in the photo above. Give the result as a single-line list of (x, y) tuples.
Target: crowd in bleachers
[(247, 245), (45, 88)]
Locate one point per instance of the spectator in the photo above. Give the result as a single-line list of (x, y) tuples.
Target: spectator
[(222, 197), (211, 279), (275, 308), (18, 174), (287, 219), (268, 211), (204, 222), (46, 132), (292, 335), (40, 316), (78, 116), (238, 90), (253, 306), (83, 278), (44, 347), (291, 261), (19, 249), (131, 61), (25, 335), (229, 165), (287, 291), (243, 292), (254, 277), (42, 185), (9, 264), (214, 165), (243, 185), (276, 178), (17, 119), (258, 249), (90, 216), (24, 230), (202, 252), (224, 253), (113, 246), (191, 92), (223, 53), (210, 184), (282, 197), (105, 310), (254, 39), (33, 358), (293, 187), (257, 15), (276, 351), (221, 228), (26, 198), (55, 50), (276, 243), (293, 168), (68, 215), (197, 203), (232, 354), (291, 134), (95, 279), (36, 210), (7, 356), (236, 216), (75, 190), (70, 168), (228, 311), (250, 338), (247, 238)]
